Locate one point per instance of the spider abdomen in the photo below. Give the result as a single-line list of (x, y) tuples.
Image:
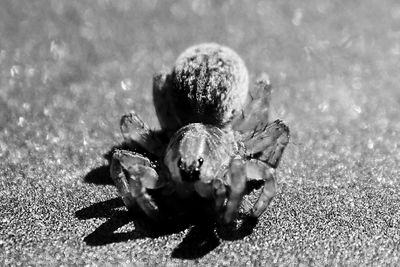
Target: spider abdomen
[(210, 85)]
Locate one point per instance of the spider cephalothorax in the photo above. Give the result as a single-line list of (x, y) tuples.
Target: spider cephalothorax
[(218, 136)]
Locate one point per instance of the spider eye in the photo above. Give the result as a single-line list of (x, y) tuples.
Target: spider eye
[(180, 163), (200, 160)]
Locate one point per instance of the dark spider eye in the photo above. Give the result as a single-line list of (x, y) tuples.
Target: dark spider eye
[(180, 163), (200, 160)]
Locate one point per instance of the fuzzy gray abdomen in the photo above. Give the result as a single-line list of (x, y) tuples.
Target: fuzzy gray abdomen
[(211, 85)]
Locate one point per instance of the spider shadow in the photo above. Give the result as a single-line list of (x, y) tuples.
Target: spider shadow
[(204, 234), (199, 241), (122, 225), (137, 224)]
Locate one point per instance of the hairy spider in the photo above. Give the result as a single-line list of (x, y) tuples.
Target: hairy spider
[(217, 136)]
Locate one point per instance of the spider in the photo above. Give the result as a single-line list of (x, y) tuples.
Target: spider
[(217, 137)]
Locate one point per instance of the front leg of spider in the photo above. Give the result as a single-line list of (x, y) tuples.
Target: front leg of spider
[(264, 151), (268, 191), (219, 196), (133, 175), (120, 181), (236, 178)]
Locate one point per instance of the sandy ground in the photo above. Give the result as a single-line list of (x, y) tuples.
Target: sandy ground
[(69, 69)]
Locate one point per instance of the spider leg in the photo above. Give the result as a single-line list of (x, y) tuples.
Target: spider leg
[(133, 175), (257, 170), (267, 193), (139, 191), (268, 144), (236, 178), (255, 112), (162, 87), (136, 132), (264, 151), (219, 195), (121, 183)]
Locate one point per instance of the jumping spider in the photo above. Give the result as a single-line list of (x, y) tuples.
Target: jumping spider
[(218, 137)]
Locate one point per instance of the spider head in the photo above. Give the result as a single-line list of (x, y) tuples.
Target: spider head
[(190, 172), (187, 153), (198, 153)]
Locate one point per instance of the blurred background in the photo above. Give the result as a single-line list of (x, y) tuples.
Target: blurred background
[(70, 69)]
